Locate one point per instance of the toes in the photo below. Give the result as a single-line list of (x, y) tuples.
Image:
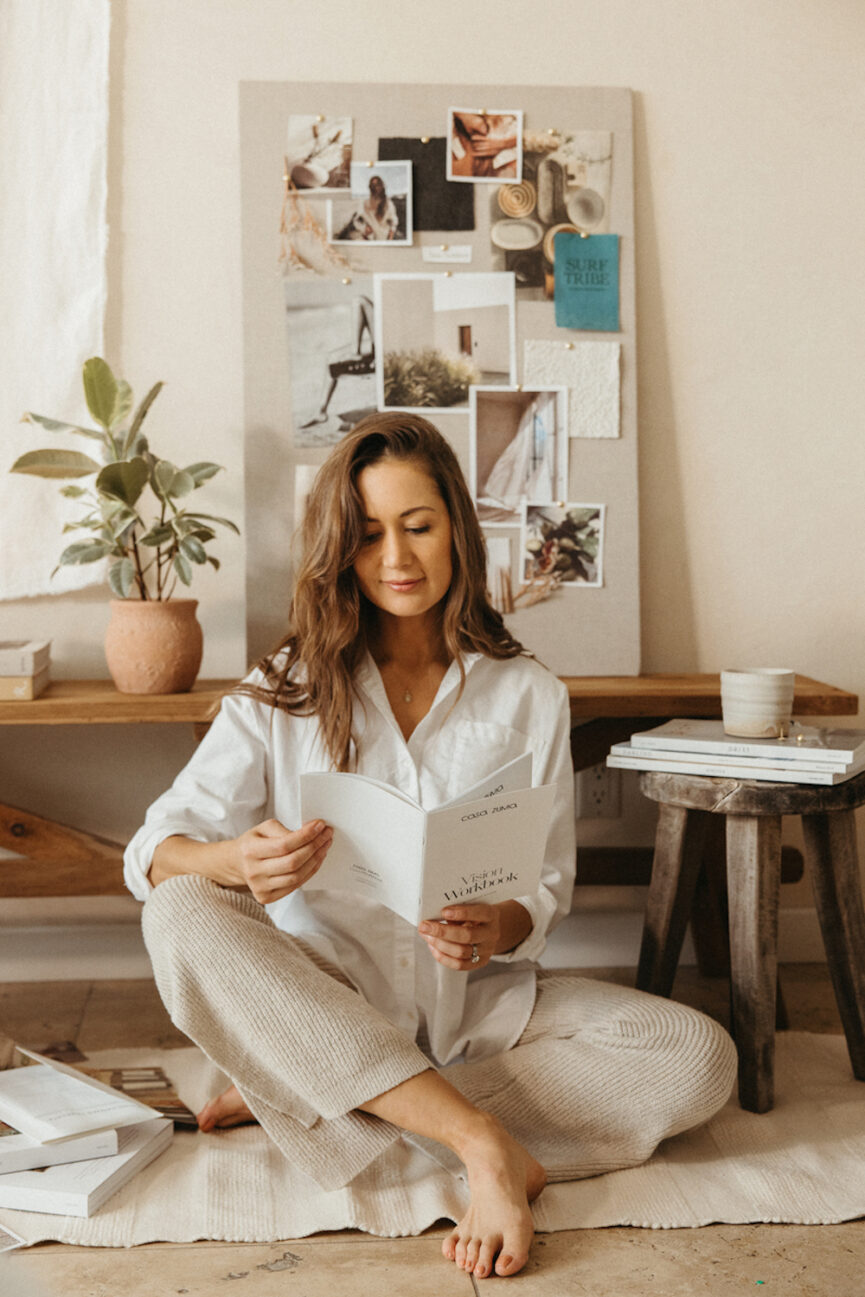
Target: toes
[(485, 1261), (510, 1262), (472, 1249), (449, 1246)]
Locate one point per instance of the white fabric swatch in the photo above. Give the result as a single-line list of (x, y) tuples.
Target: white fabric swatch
[(53, 239), (591, 373)]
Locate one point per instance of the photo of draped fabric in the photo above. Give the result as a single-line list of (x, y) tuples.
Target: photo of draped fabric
[(519, 451)]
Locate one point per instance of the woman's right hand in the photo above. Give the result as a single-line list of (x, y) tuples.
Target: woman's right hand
[(273, 861)]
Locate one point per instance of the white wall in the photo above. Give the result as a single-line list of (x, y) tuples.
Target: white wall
[(750, 196)]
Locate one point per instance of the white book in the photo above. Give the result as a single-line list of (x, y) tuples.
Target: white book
[(836, 747), (21, 1153), (50, 1101), (79, 1188), (763, 764), (485, 846), (24, 657), (623, 756)]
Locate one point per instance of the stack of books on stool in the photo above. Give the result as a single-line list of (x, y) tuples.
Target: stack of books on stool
[(808, 754), (25, 668), (68, 1141)]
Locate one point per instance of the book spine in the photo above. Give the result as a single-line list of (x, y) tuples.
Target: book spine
[(732, 749), (710, 761), (724, 770)]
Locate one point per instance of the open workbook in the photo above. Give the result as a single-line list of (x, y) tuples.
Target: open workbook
[(486, 845)]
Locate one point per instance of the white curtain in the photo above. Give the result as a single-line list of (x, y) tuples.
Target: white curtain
[(527, 465), (53, 238)]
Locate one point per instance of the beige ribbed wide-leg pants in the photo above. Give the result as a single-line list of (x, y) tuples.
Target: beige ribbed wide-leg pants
[(600, 1075)]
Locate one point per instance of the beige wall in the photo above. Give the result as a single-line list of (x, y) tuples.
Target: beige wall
[(750, 204)]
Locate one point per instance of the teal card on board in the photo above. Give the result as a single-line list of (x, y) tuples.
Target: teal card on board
[(587, 281)]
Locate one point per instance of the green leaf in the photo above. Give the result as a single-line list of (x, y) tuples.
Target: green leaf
[(54, 425), (193, 550), (100, 390), (183, 569), (170, 481), (121, 575), (209, 517), (140, 415), (85, 551), (157, 536), (124, 480), (214, 562), (123, 403), (203, 471), (55, 463), (73, 492)]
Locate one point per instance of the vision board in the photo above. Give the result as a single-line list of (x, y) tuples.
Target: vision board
[(467, 252)]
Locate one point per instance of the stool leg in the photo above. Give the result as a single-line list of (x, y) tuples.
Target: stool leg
[(678, 849), (830, 849), (753, 882)]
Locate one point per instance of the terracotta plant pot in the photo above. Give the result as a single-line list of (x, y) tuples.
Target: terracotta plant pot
[(153, 647)]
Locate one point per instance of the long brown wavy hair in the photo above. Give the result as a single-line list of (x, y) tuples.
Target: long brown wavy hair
[(311, 671)]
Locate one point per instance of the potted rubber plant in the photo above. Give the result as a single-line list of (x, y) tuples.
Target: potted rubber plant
[(140, 514)]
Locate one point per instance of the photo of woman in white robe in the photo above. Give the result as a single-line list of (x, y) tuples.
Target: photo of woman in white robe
[(532, 465)]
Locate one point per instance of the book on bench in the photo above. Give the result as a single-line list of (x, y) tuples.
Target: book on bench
[(485, 846)]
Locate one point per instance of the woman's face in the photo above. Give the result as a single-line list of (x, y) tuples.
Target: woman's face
[(405, 566), (376, 187)]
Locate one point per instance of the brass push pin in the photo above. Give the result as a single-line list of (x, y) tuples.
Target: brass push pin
[(347, 280)]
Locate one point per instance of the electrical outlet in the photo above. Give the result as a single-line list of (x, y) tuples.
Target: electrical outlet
[(599, 793)]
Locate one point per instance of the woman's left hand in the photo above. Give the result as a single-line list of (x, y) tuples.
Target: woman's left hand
[(475, 930)]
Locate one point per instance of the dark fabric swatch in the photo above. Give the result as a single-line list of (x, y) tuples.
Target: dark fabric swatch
[(437, 203)]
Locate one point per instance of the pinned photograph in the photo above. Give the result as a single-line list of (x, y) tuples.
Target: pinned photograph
[(318, 153), (484, 145), (379, 209), (502, 546), (437, 334), (564, 544), (518, 450), (331, 347)]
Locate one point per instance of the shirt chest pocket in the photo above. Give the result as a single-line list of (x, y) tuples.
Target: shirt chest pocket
[(464, 753)]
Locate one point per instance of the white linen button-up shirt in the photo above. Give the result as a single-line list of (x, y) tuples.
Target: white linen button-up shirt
[(247, 770)]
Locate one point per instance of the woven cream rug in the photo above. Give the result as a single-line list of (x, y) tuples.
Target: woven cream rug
[(802, 1163)]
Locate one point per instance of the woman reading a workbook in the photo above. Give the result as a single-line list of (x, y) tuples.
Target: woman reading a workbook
[(336, 1018)]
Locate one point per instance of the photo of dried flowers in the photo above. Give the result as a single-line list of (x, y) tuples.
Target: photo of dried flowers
[(318, 153), (565, 544)]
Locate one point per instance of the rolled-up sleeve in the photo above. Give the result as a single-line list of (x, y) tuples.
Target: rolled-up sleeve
[(554, 897), (219, 794)]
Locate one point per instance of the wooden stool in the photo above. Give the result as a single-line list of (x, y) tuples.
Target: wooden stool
[(753, 811)]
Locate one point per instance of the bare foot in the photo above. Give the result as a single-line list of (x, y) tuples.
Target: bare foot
[(227, 1109), (496, 1232)]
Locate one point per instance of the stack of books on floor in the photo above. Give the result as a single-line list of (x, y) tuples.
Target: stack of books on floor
[(808, 754), (25, 668), (68, 1141)]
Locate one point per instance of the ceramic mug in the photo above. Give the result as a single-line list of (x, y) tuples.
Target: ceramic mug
[(757, 703)]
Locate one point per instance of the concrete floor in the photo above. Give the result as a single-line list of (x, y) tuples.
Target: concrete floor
[(718, 1260)]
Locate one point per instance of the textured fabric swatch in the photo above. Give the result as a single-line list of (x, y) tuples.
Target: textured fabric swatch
[(591, 373)]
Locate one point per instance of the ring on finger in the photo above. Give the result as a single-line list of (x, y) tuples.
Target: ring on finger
[(476, 959)]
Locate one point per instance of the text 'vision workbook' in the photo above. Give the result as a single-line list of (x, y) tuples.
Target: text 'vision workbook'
[(485, 846)]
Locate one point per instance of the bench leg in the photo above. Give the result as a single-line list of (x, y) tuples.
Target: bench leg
[(753, 882), (830, 849), (678, 850)]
